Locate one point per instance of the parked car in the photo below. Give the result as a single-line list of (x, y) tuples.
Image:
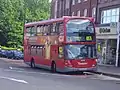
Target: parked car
[(18, 54), (3, 53), (10, 54)]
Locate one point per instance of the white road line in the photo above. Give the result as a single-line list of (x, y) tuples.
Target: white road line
[(108, 78), (13, 79), (14, 68), (99, 77)]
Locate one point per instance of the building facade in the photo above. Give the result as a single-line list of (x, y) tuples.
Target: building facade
[(107, 17), (60, 8), (85, 8), (73, 8), (53, 4)]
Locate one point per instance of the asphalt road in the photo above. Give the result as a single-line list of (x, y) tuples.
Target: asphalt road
[(18, 76)]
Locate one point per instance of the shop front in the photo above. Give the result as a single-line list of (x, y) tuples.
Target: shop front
[(107, 44)]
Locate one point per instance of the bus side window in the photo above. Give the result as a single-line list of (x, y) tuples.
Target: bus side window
[(28, 31), (33, 31), (42, 29), (54, 29), (40, 51), (60, 28), (33, 50), (49, 29), (45, 31), (57, 28), (39, 30)]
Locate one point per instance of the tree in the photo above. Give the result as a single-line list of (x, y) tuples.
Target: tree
[(37, 10), (13, 13)]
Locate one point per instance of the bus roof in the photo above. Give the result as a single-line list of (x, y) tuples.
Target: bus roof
[(56, 20)]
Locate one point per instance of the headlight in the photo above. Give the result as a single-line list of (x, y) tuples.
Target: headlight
[(96, 60)]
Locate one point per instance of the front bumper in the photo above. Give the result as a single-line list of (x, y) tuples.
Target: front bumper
[(68, 69)]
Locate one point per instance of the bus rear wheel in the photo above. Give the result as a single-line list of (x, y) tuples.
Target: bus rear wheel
[(32, 64), (53, 67)]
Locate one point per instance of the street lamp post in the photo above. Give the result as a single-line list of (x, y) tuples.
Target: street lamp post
[(118, 44)]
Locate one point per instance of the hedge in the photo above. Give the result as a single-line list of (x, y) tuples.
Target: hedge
[(9, 48)]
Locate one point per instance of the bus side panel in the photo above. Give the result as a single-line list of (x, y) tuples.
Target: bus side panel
[(54, 52), (26, 53), (46, 58), (60, 64), (38, 60), (40, 57), (54, 57), (27, 57), (47, 62)]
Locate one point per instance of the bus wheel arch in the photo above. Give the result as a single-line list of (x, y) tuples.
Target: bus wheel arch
[(53, 67), (32, 64)]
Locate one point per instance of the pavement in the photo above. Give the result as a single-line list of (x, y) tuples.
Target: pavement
[(17, 75), (109, 71)]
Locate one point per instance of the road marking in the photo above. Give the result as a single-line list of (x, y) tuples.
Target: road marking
[(13, 79), (108, 78), (98, 77), (14, 68)]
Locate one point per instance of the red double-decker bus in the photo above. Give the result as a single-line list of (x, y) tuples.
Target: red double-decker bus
[(64, 44)]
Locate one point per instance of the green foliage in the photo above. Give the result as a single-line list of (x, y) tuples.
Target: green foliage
[(9, 48), (13, 14)]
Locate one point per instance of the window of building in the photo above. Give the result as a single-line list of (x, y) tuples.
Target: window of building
[(94, 12), (111, 15), (79, 1), (67, 3), (85, 0), (78, 13), (73, 2), (73, 13), (60, 5), (105, 0), (55, 12), (85, 12)]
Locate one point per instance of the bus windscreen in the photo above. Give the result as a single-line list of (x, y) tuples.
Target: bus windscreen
[(80, 30), (80, 51)]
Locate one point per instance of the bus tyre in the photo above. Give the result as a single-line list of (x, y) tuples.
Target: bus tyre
[(53, 67), (32, 64)]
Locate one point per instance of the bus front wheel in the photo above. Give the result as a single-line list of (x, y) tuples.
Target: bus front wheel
[(53, 67)]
